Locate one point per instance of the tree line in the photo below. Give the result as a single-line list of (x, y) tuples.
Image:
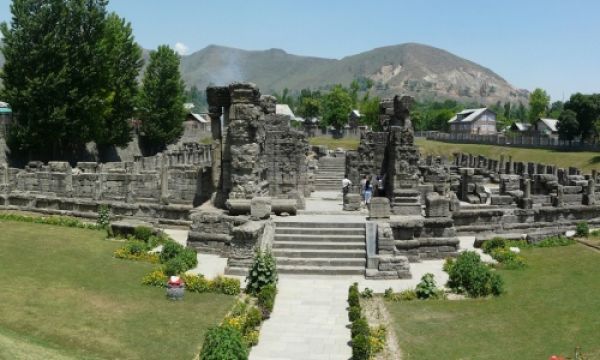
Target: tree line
[(71, 76)]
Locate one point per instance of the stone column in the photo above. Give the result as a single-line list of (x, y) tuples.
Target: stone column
[(590, 195)]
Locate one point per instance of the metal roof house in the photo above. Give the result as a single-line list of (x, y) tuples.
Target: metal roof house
[(546, 127), (480, 121), (284, 109), (520, 127)]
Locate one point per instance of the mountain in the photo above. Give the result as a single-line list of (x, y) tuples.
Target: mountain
[(414, 69), (419, 70)]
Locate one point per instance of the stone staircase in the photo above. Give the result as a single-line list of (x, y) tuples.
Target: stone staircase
[(330, 173), (320, 248)]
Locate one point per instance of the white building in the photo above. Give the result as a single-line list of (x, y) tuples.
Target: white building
[(474, 121)]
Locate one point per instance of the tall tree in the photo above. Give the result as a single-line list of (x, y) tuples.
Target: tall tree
[(336, 106), (125, 62), (162, 99), (369, 109), (587, 108), (539, 102), (568, 126), (556, 109), (54, 75)]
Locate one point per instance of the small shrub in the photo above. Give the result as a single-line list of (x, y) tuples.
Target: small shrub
[(582, 229), (156, 278), (266, 299), (427, 288), (142, 233), (554, 241), (103, 220), (251, 338), (49, 220), (235, 322), (468, 274), (367, 293), (353, 295), (175, 266), (222, 343), (595, 233), (170, 250), (388, 293), (135, 250), (354, 313), (361, 347), (407, 295), (377, 339), (262, 273), (225, 285), (508, 259), (196, 283), (189, 257), (360, 327), (253, 319), (492, 244)]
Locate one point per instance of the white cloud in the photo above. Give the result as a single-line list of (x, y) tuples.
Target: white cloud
[(181, 48)]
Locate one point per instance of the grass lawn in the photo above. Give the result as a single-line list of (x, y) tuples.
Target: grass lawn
[(64, 296), (549, 308), (580, 159), (332, 144)]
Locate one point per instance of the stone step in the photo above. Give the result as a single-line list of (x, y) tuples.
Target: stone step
[(328, 176), (343, 232), (283, 261), (321, 270), (360, 238), (318, 245), (312, 253), (320, 225)]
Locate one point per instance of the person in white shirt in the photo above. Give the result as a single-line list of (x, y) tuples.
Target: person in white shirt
[(346, 183)]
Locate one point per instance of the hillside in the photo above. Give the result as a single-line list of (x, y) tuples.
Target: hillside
[(419, 70)]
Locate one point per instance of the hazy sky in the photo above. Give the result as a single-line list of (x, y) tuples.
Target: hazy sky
[(550, 44)]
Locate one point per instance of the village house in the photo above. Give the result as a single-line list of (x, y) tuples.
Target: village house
[(474, 121), (546, 127)]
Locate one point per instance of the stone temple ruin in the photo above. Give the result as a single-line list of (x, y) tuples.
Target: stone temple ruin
[(250, 188)]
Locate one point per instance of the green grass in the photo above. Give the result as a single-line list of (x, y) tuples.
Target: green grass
[(549, 308), (332, 144), (65, 296), (583, 160)]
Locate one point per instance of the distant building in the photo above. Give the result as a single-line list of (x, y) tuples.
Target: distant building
[(197, 122), (474, 121), (520, 127), (546, 127), (284, 109)]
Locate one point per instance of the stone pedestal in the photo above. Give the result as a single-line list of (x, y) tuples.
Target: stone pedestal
[(379, 208), (352, 202)]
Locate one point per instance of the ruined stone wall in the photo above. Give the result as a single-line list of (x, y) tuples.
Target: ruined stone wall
[(369, 158), (164, 186)]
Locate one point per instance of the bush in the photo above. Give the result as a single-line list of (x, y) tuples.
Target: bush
[(360, 327), (508, 259), (142, 233), (367, 293), (103, 219), (170, 250), (353, 295), (253, 319), (377, 339), (196, 283), (223, 343), (262, 273), (468, 274), (492, 244), (50, 220), (135, 250), (251, 338), (361, 347), (427, 288), (266, 299), (156, 278), (582, 229), (225, 285), (555, 241), (354, 313), (388, 293), (175, 266)]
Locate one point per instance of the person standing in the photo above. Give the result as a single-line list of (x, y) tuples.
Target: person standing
[(368, 192), (362, 188), (346, 183)]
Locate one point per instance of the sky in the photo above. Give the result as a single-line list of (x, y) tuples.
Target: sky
[(551, 44)]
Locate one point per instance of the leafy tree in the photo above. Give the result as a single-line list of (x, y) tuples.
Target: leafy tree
[(520, 113), (125, 58), (162, 99), (556, 109), (196, 97), (369, 109), (336, 106), (55, 75), (507, 110), (568, 126), (539, 102), (587, 108), (309, 104)]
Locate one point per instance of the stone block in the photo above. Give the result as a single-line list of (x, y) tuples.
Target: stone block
[(436, 205), (352, 202), (379, 208), (260, 208), (501, 200)]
